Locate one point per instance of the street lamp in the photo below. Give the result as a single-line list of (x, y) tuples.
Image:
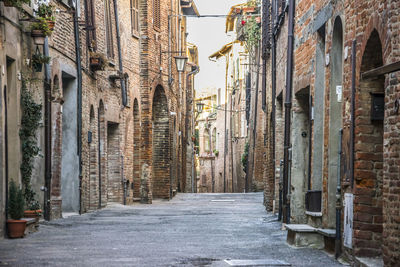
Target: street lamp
[(199, 106), (180, 62)]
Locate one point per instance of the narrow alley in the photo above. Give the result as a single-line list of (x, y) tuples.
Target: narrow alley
[(190, 230)]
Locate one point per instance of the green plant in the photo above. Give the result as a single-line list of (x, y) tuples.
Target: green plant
[(253, 3), (16, 202), (45, 11), (30, 122), (252, 32), (42, 25), (17, 3), (216, 152), (245, 156), (40, 59)]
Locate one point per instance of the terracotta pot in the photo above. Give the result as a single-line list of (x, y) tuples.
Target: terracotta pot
[(32, 214), (96, 63), (16, 228), (249, 9), (8, 3), (51, 24)]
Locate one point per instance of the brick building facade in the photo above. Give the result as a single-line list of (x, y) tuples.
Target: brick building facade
[(343, 141), (112, 134)]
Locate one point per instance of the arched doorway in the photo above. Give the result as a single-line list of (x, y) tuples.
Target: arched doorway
[(368, 166), (335, 123), (136, 151), (161, 145)]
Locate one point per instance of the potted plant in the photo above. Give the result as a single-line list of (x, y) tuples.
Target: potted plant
[(33, 205), (39, 30), (216, 152), (15, 3), (46, 12), (97, 61), (15, 226), (38, 60)]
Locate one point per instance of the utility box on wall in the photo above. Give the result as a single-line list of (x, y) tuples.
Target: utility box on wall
[(377, 106)]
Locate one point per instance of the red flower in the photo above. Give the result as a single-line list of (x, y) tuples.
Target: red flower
[(243, 22)]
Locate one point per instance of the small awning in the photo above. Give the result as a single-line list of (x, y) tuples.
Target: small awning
[(223, 51), (230, 19), (189, 8)]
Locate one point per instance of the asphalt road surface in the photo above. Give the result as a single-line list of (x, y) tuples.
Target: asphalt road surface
[(190, 230)]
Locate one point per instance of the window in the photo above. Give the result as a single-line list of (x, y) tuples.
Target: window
[(156, 14), (108, 22), (90, 29), (135, 17)]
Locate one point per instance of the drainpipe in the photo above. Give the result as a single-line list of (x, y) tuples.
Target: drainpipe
[(121, 70), (353, 108), (47, 133), (225, 113), (194, 71), (273, 94), (288, 110), (338, 198), (79, 79)]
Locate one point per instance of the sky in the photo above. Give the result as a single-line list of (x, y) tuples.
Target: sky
[(209, 36)]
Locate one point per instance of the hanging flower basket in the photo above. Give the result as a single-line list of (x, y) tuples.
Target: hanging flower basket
[(51, 24)]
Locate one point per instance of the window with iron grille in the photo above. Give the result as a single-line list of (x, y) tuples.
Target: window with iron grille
[(109, 33), (157, 14), (90, 25), (135, 17)]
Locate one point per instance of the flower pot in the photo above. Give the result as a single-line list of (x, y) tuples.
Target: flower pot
[(8, 3), (96, 63), (249, 9), (51, 24), (38, 37), (16, 228), (33, 214)]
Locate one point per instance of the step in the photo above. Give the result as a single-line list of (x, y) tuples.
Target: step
[(327, 232), (304, 235), (31, 225)]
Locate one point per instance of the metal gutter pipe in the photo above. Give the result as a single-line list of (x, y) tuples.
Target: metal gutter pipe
[(47, 132), (353, 108), (79, 80), (338, 198), (194, 72), (121, 70), (288, 110)]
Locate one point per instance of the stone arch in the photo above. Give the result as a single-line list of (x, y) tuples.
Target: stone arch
[(335, 122), (136, 149), (93, 169), (161, 145), (368, 166), (101, 163)]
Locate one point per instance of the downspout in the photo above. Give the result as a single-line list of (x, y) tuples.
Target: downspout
[(194, 72), (121, 69), (47, 133), (353, 109), (255, 117), (273, 94), (231, 142), (288, 110), (79, 80), (225, 135), (338, 198)]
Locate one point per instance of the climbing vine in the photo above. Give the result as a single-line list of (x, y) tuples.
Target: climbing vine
[(252, 25), (245, 156), (30, 122)]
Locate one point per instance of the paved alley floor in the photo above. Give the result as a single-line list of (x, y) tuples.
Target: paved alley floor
[(190, 230)]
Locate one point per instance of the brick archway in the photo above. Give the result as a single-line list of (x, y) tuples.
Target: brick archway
[(368, 167), (161, 145)]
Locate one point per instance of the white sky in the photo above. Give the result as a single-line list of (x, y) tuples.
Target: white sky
[(209, 36)]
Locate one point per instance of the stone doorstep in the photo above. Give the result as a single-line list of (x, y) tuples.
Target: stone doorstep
[(305, 228), (31, 225), (369, 262), (304, 235)]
